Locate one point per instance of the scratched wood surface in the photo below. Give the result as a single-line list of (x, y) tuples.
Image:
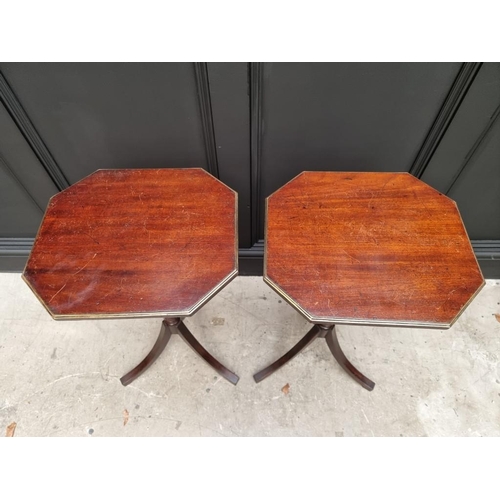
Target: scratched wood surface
[(373, 248), (135, 242)]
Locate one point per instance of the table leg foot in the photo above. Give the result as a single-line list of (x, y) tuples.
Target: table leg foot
[(333, 344), (184, 332), (160, 344), (311, 335)]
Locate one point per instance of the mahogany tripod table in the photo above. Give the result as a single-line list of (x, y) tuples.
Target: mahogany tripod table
[(366, 249), (135, 243)]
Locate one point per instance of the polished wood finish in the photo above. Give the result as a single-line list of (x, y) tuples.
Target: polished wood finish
[(170, 326), (125, 243), (369, 248), (366, 248)]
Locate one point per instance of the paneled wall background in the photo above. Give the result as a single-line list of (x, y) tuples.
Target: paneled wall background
[(254, 126)]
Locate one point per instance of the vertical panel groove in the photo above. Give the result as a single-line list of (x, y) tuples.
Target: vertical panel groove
[(256, 87), (458, 90), (203, 86), (28, 130), (474, 148)]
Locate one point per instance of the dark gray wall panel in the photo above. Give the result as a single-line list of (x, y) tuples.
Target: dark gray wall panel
[(230, 111), (82, 117), (19, 214), (25, 189), (18, 157), (466, 166), (471, 119), (347, 116), (477, 189), (112, 115)]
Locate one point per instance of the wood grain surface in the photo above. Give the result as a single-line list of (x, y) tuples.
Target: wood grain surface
[(369, 248), (135, 243)]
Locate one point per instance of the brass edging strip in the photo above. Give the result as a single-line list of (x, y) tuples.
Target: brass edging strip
[(352, 321), (154, 314)]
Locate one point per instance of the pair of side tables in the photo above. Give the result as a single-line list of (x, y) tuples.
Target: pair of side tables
[(341, 247)]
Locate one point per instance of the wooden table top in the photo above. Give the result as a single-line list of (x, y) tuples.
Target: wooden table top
[(126, 243), (369, 248)]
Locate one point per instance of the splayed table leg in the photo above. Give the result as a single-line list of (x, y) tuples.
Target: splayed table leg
[(170, 326)]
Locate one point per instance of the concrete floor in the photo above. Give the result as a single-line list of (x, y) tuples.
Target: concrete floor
[(62, 378)]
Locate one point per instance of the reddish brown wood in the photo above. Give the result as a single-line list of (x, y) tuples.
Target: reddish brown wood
[(135, 242), (369, 248)]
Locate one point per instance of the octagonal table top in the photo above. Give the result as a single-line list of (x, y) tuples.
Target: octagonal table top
[(369, 248), (135, 242)]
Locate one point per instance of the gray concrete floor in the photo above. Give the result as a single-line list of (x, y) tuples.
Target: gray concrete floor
[(62, 378)]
